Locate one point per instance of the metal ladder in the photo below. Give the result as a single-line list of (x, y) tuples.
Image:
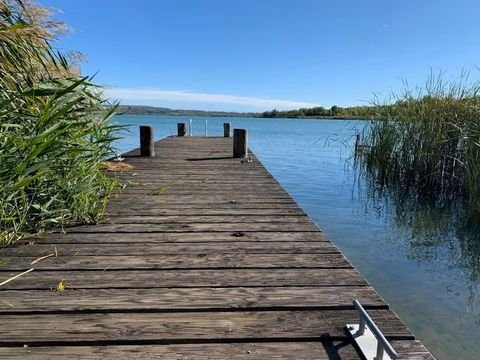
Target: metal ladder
[(369, 338)]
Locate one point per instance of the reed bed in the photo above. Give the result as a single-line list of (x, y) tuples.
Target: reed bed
[(425, 143), (55, 131), (420, 162)]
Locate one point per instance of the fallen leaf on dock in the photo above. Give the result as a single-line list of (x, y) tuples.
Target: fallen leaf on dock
[(61, 286)]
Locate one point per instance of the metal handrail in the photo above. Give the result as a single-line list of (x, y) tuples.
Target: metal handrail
[(383, 344)]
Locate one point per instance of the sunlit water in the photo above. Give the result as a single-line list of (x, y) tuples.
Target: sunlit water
[(430, 280)]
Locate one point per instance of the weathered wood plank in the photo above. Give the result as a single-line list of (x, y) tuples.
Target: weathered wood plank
[(319, 350), (162, 299), (179, 186), (192, 227), (172, 180), (161, 327), (183, 261), (253, 203), (162, 211), (202, 191), (140, 177), (181, 219), (184, 278), (232, 246), (205, 197), (143, 238)]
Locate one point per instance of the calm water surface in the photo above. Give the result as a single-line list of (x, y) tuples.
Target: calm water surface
[(427, 271)]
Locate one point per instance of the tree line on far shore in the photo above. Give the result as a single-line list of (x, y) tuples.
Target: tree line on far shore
[(363, 112)]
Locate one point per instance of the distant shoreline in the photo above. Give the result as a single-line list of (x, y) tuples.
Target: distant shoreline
[(152, 110)]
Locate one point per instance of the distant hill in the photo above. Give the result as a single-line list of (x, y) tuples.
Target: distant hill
[(153, 110)]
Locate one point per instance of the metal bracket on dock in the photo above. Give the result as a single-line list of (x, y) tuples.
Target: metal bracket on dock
[(369, 338)]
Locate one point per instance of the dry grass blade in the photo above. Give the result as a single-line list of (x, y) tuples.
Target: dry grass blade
[(115, 166), (16, 277), (41, 258)]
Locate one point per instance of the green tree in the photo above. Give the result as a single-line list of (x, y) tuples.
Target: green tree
[(334, 110)]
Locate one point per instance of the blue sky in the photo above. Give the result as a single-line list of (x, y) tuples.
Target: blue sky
[(256, 55)]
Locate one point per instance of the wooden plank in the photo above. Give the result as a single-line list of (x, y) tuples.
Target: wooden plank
[(163, 327), (144, 238), (171, 180), (183, 261), (206, 197), (184, 278), (178, 186), (210, 172), (139, 176), (232, 246), (157, 202), (169, 299), (319, 350), (207, 204), (192, 227), (169, 194), (162, 211), (211, 219), (411, 349)]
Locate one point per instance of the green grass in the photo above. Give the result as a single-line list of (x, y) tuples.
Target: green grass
[(54, 131)]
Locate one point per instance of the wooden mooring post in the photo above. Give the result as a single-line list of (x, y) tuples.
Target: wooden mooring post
[(357, 143), (240, 143), (227, 130), (147, 147), (181, 128)]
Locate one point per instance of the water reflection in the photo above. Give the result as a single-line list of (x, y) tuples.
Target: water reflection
[(442, 236)]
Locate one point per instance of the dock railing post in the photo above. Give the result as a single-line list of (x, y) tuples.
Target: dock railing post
[(181, 129), (147, 147), (226, 130), (240, 143)]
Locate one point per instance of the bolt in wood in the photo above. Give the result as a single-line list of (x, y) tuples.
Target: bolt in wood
[(146, 141), (240, 143), (181, 129)]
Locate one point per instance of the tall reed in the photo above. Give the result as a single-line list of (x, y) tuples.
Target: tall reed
[(426, 142), (54, 130)]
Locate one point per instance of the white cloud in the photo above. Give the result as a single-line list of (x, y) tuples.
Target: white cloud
[(190, 98)]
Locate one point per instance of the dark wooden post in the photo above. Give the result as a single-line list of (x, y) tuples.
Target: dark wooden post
[(357, 143), (240, 143), (146, 141), (181, 129), (226, 129)]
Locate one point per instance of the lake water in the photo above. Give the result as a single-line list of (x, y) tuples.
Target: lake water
[(420, 263)]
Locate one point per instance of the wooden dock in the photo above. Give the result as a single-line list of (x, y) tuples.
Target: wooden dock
[(202, 256)]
